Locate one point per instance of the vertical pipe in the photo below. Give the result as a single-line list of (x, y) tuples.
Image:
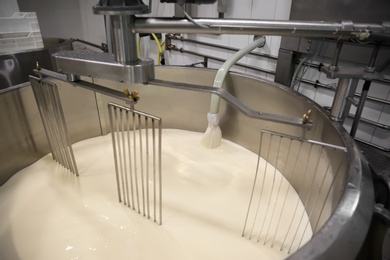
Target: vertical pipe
[(335, 60), (360, 107), (374, 55), (337, 112), (124, 42)]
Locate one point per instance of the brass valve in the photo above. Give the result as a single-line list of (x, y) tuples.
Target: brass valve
[(306, 117), (37, 66), (131, 95)]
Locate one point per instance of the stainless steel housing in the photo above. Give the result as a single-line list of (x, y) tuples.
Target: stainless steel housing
[(347, 214)]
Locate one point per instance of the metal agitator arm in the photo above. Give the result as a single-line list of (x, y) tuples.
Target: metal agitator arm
[(125, 66)]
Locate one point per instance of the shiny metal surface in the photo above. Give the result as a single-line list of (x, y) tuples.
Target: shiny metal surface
[(337, 111), (103, 65), (136, 139), (123, 40), (351, 72), (335, 30), (297, 121), (16, 67), (343, 221), (53, 120), (77, 82)]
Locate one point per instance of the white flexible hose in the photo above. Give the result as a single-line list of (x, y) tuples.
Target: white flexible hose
[(222, 72), (213, 136)]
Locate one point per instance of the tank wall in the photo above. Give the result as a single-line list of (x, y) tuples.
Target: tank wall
[(24, 141)]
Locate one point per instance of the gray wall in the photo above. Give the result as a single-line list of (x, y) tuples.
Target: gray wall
[(61, 19)]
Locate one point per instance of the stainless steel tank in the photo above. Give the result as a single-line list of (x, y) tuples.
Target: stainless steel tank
[(344, 217)]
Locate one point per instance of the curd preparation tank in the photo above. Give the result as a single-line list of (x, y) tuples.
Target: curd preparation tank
[(345, 215)]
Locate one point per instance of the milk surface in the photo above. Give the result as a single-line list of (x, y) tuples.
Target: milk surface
[(49, 213)]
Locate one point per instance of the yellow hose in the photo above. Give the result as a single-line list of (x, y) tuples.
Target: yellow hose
[(159, 46)]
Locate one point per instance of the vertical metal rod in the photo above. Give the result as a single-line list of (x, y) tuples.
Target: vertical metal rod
[(38, 97), (53, 126), (278, 193), (253, 188), (68, 142), (337, 112), (262, 185), (307, 197), (142, 165), (130, 164), (110, 108), (327, 195), (335, 60), (49, 123), (49, 126), (351, 94), (272, 190), (374, 55), (296, 206), (63, 128), (120, 153), (154, 172), (60, 126), (135, 164), (288, 189), (315, 203), (160, 167), (123, 129), (147, 166), (360, 107)]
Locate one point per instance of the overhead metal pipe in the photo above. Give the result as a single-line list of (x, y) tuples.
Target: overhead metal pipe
[(335, 30)]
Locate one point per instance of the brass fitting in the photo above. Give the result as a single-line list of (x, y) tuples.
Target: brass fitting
[(306, 117), (131, 95), (37, 66)]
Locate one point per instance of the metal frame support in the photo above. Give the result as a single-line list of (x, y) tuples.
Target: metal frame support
[(284, 67), (337, 113)]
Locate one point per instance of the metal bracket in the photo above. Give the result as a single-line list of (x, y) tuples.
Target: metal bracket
[(351, 73), (103, 66)]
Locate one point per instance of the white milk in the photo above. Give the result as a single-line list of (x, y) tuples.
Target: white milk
[(49, 213)]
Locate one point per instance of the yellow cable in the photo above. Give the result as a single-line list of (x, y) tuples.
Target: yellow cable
[(160, 51), (162, 44)]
